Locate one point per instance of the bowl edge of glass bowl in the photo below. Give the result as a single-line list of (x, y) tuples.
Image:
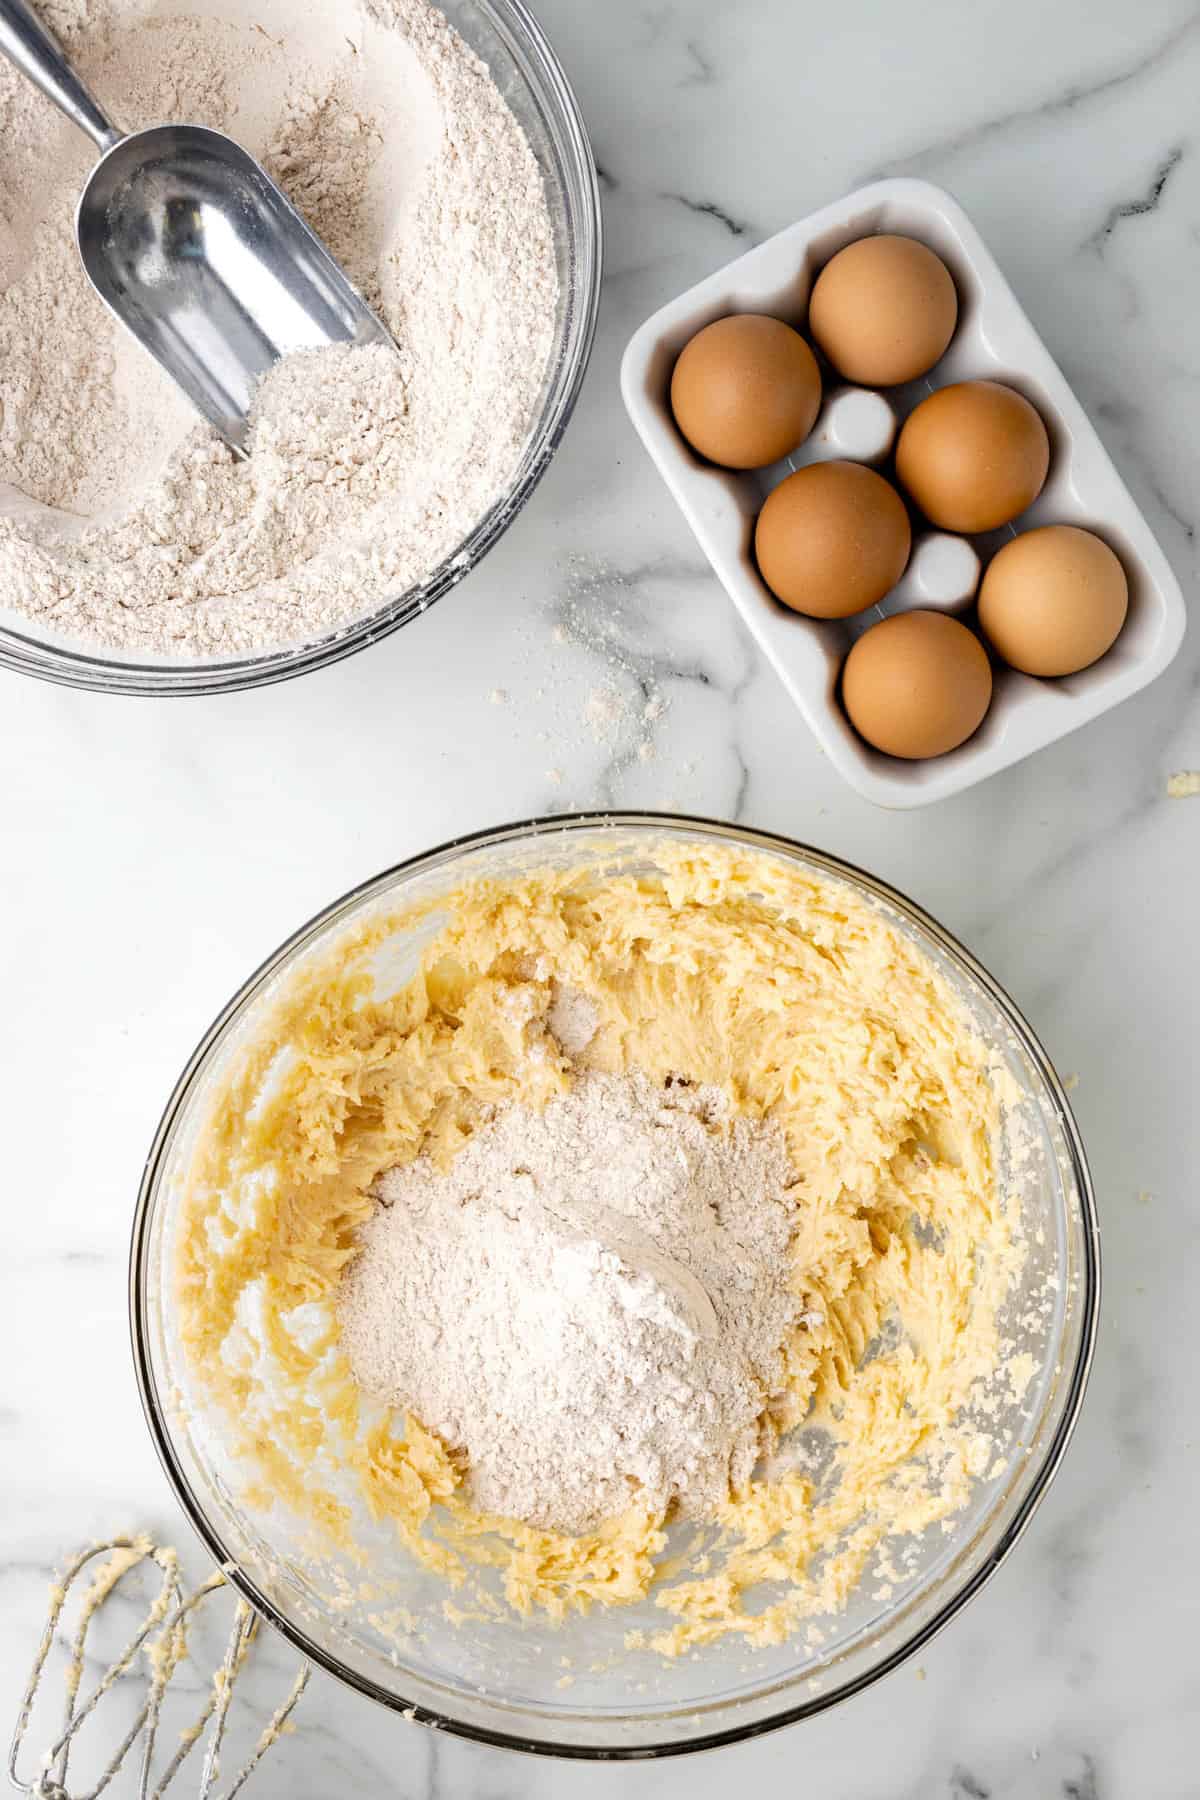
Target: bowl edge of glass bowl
[(24, 653), (563, 825)]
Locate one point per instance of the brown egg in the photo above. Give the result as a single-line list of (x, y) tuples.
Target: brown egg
[(1053, 600), (832, 539), (746, 391), (917, 685), (973, 455), (883, 310)]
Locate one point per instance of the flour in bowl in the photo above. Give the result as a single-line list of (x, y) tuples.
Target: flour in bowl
[(591, 1304), (125, 522)]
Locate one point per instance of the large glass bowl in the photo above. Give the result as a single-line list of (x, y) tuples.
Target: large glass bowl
[(503, 1682), (524, 67)]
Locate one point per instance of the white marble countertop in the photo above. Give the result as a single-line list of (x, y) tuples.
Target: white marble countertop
[(154, 852)]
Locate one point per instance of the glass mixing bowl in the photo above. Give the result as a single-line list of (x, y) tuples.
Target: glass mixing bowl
[(503, 1681), (506, 36)]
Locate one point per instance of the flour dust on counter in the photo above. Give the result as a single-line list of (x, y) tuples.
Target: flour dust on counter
[(601, 680), (125, 522)]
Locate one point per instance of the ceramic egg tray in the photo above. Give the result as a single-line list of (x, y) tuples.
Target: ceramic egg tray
[(994, 339)]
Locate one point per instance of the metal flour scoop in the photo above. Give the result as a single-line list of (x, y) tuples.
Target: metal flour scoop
[(193, 247)]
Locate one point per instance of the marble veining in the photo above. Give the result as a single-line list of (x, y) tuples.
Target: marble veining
[(1145, 203), (1073, 96), (155, 852)]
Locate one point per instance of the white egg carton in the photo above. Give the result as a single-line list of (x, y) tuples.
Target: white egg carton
[(994, 339)]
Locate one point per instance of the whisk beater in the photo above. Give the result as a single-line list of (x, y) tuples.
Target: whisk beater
[(161, 1637)]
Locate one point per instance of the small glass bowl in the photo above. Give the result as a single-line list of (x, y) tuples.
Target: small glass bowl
[(502, 1681), (506, 36)]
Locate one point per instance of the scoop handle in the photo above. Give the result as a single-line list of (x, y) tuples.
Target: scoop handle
[(26, 43)]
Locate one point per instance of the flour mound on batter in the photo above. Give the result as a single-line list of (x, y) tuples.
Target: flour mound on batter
[(822, 1029), (590, 1305)]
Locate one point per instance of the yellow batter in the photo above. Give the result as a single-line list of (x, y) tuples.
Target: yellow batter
[(802, 1003)]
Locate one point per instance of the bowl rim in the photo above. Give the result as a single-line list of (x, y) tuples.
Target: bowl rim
[(564, 825), (99, 670)]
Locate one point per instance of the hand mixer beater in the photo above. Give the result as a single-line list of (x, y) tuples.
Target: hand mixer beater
[(153, 1653)]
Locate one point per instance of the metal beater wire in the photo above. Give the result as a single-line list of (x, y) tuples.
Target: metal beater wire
[(165, 1623)]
